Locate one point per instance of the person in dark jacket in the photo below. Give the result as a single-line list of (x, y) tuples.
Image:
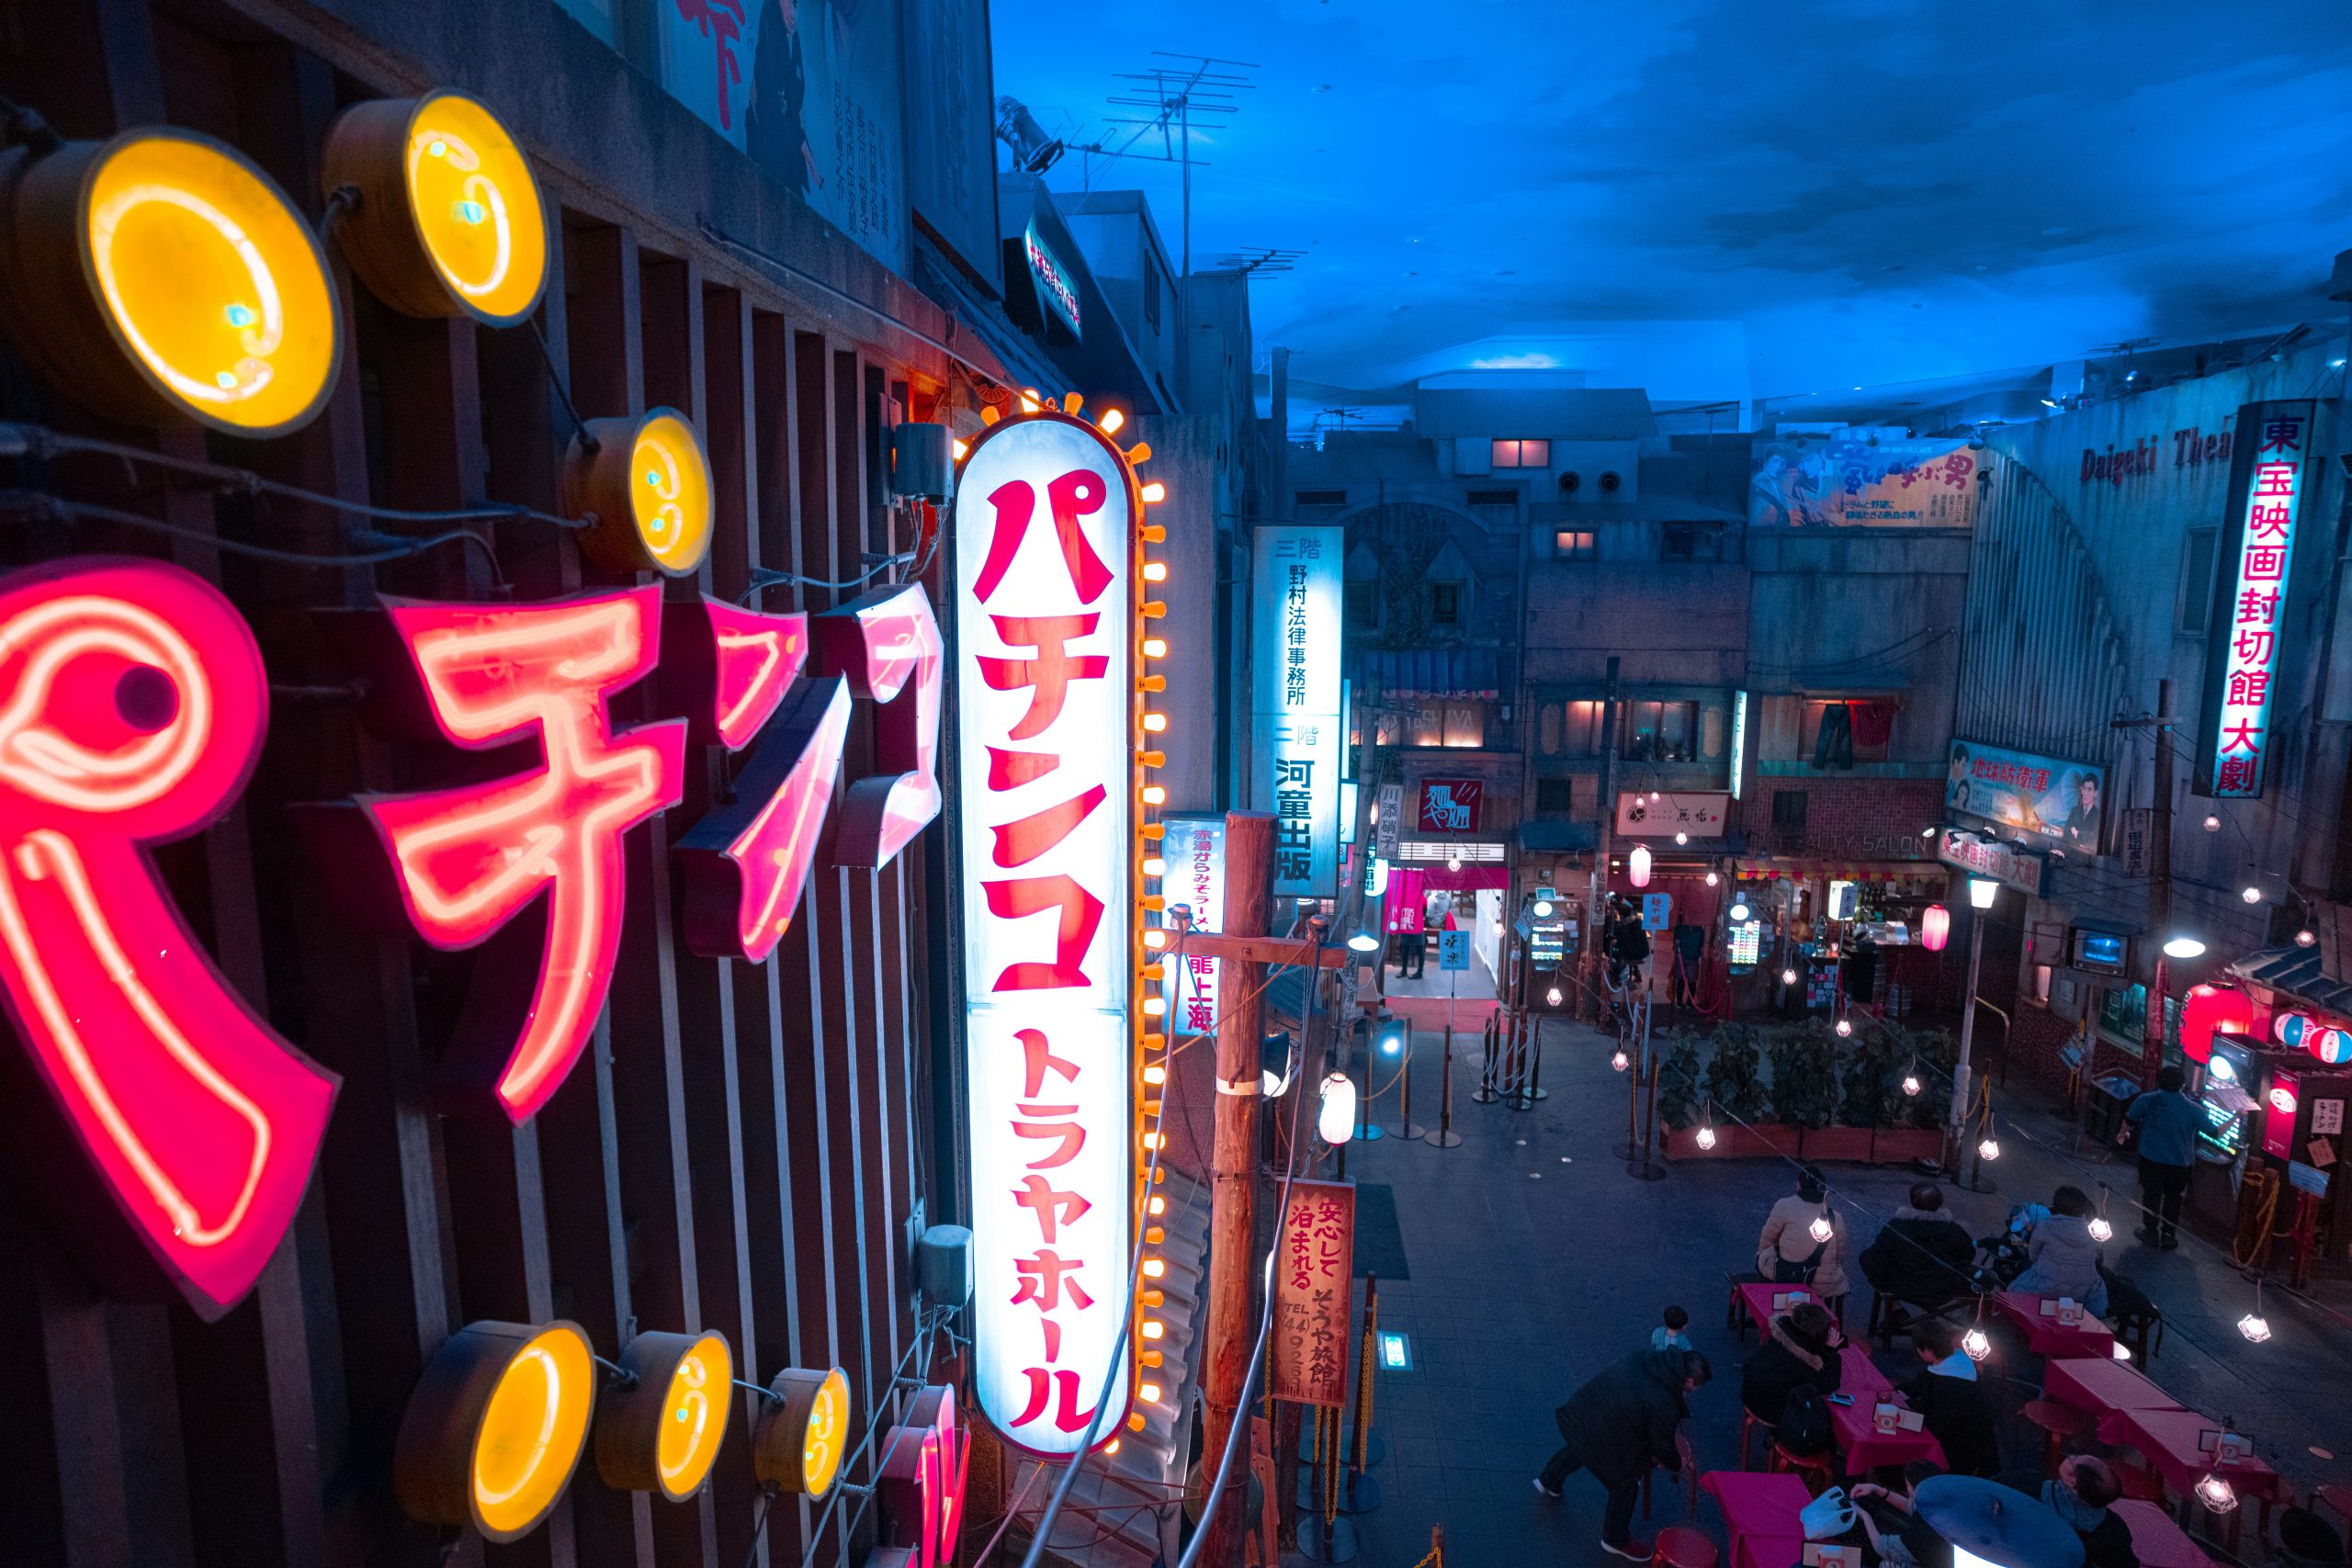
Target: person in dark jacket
[(1800, 1348), (1922, 1256), (1958, 1408), (2084, 1496), (1617, 1425)]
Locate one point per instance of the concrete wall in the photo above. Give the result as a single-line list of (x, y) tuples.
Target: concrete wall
[(1184, 457)]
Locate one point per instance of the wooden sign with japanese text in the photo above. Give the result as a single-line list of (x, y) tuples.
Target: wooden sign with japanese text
[(1314, 1262)]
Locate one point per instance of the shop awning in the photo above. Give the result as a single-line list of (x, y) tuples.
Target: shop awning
[(1430, 671), (2299, 973), (1557, 838)]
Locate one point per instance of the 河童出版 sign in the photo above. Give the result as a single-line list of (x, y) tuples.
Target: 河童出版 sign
[(2256, 557), (1295, 702)]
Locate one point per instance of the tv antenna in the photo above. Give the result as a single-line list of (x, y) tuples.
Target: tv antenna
[(1261, 258)]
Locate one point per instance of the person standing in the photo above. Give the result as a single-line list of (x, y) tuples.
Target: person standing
[(1619, 1424), (2168, 1120)]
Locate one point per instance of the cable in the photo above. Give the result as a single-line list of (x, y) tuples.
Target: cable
[(547, 356), (38, 505)]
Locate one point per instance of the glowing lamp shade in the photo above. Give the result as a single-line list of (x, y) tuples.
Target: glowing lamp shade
[(449, 221), (1739, 910), (1335, 1118), (1977, 1344), (661, 1434), (803, 1427), (1934, 928), (2184, 947), (1911, 1084), (1706, 1136), (1637, 867), (645, 490), (495, 1428), (2210, 1010), (1621, 1061), (2218, 1496), (160, 275), (1981, 890), (1821, 1229), (1845, 1028), (2100, 1230)]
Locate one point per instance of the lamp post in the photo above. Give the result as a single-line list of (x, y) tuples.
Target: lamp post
[(1981, 890)]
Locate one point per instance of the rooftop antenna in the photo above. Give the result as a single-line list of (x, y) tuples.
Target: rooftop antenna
[(1260, 259)]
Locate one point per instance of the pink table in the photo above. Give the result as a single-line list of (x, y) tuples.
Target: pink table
[(1756, 1300), (2169, 1439), (2103, 1384), (1865, 1446), (2157, 1540), (1760, 1516), (2089, 1339)]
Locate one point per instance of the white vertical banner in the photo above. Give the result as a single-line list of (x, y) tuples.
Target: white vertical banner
[(1295, 702), (1045, 525), (1194, 852)]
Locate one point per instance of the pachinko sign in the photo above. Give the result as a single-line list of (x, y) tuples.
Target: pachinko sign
[(1050, 723), (132, 707), (2258, 558)]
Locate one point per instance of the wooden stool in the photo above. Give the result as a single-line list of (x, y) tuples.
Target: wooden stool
[(1680, 1546), (2138, 1484), (2058, 1423), (1748, 1422), (1816, 1471)]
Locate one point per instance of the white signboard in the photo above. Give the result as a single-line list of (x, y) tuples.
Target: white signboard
[(1194, 852), (1045, 582), (1739, 740), (1392, 818), (1295, 703), (1700, 815)]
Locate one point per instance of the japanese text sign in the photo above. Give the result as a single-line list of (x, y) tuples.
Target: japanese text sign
[(1700, 815), (2268, 475), (1314, 1268), (1046, 520), (1194, 852), (1295, 684), (2058, 802), (1452, 806)]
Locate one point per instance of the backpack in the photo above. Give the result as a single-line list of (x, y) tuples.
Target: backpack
[(1804, 1425)]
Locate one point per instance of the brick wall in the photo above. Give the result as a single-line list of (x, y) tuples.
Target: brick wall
[(1853, 818)]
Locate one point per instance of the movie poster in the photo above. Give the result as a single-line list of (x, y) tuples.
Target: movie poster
[(2059, 803), (1857, 479)]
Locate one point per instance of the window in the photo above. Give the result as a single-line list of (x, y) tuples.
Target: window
[(1150, 290), (1576, 544), (1661, 731), (1321, 497), (1445, 604), (2197, 580), (1839, 734), (1568, 729), (1459, 722), (1522, 455), (1556, 795), (1364, 606)]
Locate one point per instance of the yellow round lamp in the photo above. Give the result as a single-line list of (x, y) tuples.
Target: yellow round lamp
[(495, 1429), (643, 487), (160, 275), (448, 220), (662, 1433), (803, 1430)]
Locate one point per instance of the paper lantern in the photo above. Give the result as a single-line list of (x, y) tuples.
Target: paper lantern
[(2210, 1010), (2290, 1027), (2333, 1047), (1637, 867), (1934, 928)]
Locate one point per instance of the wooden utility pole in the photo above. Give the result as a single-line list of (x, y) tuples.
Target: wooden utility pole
[(2152, 1050), (1243, 950), (1589, 954)]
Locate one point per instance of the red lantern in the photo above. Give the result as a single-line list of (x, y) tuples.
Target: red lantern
[(2210, 1010), (1934, 928)]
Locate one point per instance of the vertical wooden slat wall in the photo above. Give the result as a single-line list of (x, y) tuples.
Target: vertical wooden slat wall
[(744, 1147)]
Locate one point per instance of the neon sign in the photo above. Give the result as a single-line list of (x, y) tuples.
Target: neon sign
[(2260, 547), (470, 859), (881, 642), (133, 705), (1051, 280), (1045, 595)]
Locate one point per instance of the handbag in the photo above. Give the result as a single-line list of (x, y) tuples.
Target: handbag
[(1827, 1516)]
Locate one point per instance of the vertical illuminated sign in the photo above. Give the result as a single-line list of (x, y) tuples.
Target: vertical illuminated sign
[(1739, 740), (1047, 518), (1193, 852), (2258, 554), (1295, 698)]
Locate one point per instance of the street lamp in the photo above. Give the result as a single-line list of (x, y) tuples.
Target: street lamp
[(1980, 892), (2184, 947), (1363, 942), (1335, 1118)]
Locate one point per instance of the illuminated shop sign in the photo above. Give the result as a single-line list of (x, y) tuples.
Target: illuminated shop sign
[(2058, 802), (1051, 280), (1295, 704), (2257, 556), (1048, 517), (1194, 854)]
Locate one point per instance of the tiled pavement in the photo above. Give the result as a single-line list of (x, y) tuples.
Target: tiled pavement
[(1535, 1259)]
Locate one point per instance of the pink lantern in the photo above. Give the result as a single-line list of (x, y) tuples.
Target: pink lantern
[(1934, 928), (1637, 867), (2210, 1010)]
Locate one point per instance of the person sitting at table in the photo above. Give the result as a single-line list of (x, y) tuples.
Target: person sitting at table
[(1957, 1408), (1799, 1351), (1899, 1537), (1922, 1256), (2084, 1494), (1789, 1253), (2062, 1259)]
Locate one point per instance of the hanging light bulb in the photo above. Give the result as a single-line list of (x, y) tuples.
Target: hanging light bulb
[(1553, 996), (1788, 976), (2212, 823), (2305, 937), (1621, 1061), (1637, 867), (1681, 838), (1821, 1228), (1454, 862), (2184, 947), (1706, 1139), (1336, 1117), (1713, 879), (1990, 1148), (2100, 1230), (1928, 832), (1652, 794), (2217, 1494), (2252, 894), (1911, 1084), (1976, 1344), (2122, 1351), (2255, 1326), (1845, 1028)]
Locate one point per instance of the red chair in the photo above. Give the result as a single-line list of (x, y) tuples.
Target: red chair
[(1680, 1546), (2140, 1484), (1748, 1422), (1816, 1471), (2060, 1423)]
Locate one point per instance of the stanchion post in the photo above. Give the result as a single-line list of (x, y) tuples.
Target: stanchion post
[(1445, 1137)]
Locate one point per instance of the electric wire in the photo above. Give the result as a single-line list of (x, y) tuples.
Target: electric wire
[(41, 504)]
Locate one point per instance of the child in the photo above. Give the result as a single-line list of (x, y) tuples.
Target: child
[(1670, 1336)]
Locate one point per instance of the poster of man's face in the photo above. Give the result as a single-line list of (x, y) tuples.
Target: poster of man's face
[(2062, 803)]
